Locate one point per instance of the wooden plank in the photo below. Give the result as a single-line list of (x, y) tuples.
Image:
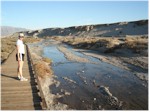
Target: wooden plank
[(16, 94)]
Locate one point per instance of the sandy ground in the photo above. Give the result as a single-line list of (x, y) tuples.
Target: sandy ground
[(72, 57)]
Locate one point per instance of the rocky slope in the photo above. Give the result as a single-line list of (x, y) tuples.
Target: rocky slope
[(119, 29)]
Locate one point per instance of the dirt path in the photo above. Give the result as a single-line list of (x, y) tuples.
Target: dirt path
[(17, 95)]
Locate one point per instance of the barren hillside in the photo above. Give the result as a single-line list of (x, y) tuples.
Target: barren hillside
[(119, 29)]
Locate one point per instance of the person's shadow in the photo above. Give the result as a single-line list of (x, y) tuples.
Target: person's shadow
[(3, 75)]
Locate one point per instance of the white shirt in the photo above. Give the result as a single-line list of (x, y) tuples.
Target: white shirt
[(21, 46)]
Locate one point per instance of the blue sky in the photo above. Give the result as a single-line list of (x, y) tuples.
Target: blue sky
[(40, 14)]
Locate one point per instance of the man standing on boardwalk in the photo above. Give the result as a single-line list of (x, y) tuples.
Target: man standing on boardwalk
[(20, 56)]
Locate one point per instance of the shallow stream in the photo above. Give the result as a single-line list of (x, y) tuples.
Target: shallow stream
[(81, 83)]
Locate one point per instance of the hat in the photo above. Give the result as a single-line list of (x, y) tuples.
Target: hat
[(21, 35)]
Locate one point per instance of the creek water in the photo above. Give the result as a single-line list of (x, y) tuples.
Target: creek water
[(81, 82)]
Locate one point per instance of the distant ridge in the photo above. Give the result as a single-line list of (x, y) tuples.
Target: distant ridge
[(8, 30), (118, 29)]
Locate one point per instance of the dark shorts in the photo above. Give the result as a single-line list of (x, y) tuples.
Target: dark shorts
[(21, 56)]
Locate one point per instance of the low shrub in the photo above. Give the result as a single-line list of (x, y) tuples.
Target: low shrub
[(47, 60), (31, 40), (42, 69), (7, 46), (136, 44)]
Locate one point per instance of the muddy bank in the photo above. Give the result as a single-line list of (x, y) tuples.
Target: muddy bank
[(46, 77), (72, 57), (121, 62)]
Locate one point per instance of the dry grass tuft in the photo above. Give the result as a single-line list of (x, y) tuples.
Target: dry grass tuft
[(107, 45), (47, 60), (31, 40), (7, 46), (136, 44), (42, 69)]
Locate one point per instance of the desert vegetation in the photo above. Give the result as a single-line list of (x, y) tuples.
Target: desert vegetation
[(108, 45), (31, 40), (138, 44), (130, 49), (47, 60), (7, 46), (42, 69)]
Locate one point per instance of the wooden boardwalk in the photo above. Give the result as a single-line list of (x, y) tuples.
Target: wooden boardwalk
[(16, 94)]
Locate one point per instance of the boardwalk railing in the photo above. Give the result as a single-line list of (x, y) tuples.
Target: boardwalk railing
[(44, 104)]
